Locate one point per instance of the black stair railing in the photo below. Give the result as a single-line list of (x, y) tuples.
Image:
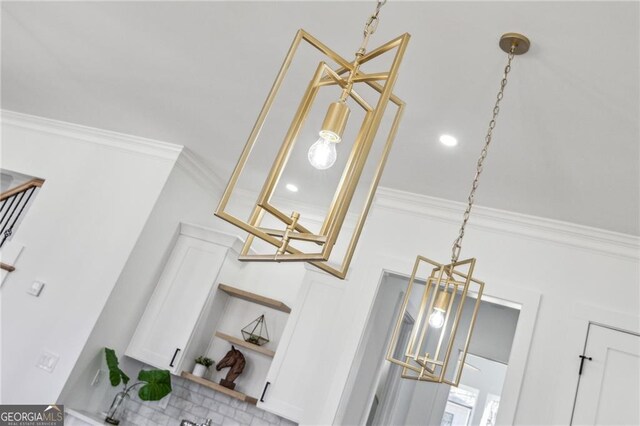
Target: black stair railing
[(12, 205)]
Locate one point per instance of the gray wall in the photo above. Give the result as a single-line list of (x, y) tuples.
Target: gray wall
[(492, 338), (493, 333)]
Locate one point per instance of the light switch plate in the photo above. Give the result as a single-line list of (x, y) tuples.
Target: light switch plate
[(36, 288), (48, 361)]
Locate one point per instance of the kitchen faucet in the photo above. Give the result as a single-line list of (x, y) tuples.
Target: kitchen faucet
[(207, 422)]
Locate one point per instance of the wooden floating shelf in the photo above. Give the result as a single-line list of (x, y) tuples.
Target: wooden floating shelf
[(240, 342), (212, 385), (255, 298)]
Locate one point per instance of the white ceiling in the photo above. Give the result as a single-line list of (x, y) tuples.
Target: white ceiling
[(567, 142)]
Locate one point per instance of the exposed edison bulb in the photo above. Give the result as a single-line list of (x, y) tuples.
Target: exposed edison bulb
[(436, 319), (322, 154)]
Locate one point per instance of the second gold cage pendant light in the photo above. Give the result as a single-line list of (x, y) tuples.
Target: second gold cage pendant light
[(443, 299)]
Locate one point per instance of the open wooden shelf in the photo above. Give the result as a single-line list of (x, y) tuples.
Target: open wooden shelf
[(255, 298), (240, 342), (212, 385)]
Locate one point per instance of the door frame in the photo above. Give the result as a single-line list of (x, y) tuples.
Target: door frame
[(387, 408), (501, 292)]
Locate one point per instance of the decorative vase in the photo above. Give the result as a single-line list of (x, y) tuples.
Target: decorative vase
[(117, 408), (199, 370)]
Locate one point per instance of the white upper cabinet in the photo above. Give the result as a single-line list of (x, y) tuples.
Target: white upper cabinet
[(185, 287)]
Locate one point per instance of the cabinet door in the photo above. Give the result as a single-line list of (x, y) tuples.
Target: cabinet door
[(176, 304), (303, 364)]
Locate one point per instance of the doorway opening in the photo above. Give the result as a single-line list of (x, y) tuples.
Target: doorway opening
[(379, 396)]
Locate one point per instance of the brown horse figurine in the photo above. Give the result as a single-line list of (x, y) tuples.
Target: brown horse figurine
[(235, 360)]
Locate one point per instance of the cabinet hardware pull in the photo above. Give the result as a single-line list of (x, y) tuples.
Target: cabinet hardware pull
[(175, 354), (582, 358), (264, 391)]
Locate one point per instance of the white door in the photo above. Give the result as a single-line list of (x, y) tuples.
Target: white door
[(609, 387)]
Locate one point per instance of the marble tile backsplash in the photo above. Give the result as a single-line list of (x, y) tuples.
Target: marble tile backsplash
[(191, 401)]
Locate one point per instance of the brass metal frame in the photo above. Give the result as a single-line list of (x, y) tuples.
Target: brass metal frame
[(381, 82), (456, 279), (335, 121)]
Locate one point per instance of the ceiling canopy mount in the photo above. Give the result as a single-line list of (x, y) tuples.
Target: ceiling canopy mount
[(519, 42)]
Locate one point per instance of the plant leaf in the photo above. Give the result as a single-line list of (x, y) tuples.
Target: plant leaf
[(115, 374), (157, 386)]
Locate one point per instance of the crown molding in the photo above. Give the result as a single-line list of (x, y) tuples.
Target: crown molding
[(195, 167), (494, 220), (106, 138)]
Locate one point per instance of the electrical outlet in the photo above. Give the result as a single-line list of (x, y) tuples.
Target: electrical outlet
[(48, 361)]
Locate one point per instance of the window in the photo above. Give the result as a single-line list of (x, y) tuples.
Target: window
[(460, 406)]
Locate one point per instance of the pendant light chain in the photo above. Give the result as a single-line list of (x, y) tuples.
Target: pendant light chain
[(369, 28), (457, 244)]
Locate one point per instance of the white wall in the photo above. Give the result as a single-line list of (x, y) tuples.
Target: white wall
[(569, 266), (189, 196), (100, 188)]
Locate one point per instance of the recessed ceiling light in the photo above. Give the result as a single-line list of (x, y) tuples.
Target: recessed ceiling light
[(291, 187), (448, 140)]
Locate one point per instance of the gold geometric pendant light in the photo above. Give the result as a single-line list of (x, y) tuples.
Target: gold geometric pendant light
[(443, 299), (371, 92), (442, 328)]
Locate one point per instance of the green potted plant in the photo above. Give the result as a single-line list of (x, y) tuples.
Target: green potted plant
[(202, 365), (154, 385)]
